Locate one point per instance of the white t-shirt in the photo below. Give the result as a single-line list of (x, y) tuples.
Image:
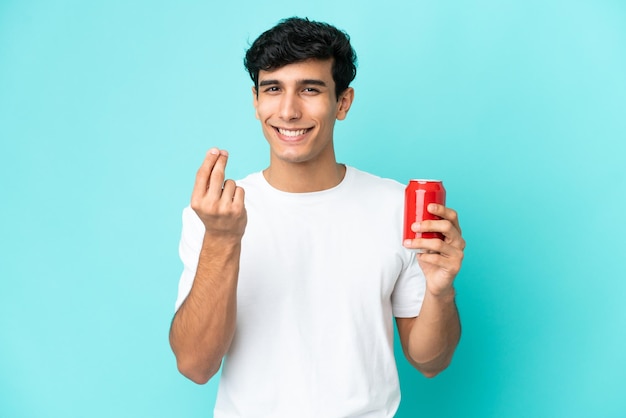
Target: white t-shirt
[(321, 277)]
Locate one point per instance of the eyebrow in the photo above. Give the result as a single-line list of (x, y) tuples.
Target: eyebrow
[(305, 82)]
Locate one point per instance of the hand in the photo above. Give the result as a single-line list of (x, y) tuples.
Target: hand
[(441, 259), (218, 203)]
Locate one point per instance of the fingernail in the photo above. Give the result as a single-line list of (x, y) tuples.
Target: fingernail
[(406, 242), (214, 151), (224, 153), (416, 227)]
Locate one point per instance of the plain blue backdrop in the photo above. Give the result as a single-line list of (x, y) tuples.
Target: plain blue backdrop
[(107, 108)]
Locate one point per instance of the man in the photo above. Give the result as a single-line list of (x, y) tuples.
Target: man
[(296, 281)]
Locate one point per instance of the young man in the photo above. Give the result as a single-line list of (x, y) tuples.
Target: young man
[(296, 281)]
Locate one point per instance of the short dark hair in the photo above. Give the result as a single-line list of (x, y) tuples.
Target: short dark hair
[(295, 40)]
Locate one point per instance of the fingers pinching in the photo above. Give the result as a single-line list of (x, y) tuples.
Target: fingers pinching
[(203, 174), (216, 179)]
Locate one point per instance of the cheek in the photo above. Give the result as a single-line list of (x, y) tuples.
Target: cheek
[(327, 119), (268, 102), (326, 111), (264, 111), (258, 110)]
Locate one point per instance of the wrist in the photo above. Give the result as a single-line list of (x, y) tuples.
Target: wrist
[(444, 295), (221, 240)]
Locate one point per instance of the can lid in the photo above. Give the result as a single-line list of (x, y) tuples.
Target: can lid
[(426, 180)]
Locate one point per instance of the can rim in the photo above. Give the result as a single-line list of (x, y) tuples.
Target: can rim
[(427, 180)]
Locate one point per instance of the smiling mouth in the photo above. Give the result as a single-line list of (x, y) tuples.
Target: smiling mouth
[(292, 133)]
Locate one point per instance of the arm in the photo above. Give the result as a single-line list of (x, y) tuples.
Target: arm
[(204, 325), (429, 340)]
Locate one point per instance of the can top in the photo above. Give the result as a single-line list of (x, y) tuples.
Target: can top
[(426, 180)]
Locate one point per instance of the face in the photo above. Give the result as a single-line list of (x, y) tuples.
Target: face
[(297, 108)]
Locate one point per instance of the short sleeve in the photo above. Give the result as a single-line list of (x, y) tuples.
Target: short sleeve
[(189, 251), (408, 293)]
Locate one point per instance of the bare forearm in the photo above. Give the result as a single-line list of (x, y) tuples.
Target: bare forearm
[(204, 325), (435, 334)]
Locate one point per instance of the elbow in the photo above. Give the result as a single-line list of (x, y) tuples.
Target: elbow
[(194, 376), (432, 368), (430, 373), (196, 373), (198, 369)]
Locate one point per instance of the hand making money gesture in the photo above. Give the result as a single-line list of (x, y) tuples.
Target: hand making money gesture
[(218, 203)]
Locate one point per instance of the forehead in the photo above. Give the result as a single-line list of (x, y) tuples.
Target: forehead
[(312, 69)]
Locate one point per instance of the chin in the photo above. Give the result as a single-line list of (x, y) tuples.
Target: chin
[(292, 159)]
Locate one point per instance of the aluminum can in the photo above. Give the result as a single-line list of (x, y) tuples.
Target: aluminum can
[(418, 195)]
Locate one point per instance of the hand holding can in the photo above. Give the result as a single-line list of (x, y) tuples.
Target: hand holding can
[(418, 195)]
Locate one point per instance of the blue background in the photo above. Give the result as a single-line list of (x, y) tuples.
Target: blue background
[(107, 108)]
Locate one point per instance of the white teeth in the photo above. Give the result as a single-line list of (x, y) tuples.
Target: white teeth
[(287, 132)]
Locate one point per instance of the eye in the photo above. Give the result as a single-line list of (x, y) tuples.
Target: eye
[(310, 90), (272, 89)]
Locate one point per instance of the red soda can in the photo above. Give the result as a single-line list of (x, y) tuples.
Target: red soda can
[(417, 196)]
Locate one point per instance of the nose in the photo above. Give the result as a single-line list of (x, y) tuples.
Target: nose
[(289, 108)]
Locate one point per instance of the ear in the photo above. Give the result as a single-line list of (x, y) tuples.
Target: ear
[(255, 101), (345, 101)]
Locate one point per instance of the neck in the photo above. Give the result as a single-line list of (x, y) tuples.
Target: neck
[(303, 177)]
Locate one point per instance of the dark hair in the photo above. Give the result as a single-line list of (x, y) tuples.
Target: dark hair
[(295, 40)]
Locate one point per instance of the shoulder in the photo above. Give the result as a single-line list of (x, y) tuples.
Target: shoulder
[(363, 180), (374, 194)]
